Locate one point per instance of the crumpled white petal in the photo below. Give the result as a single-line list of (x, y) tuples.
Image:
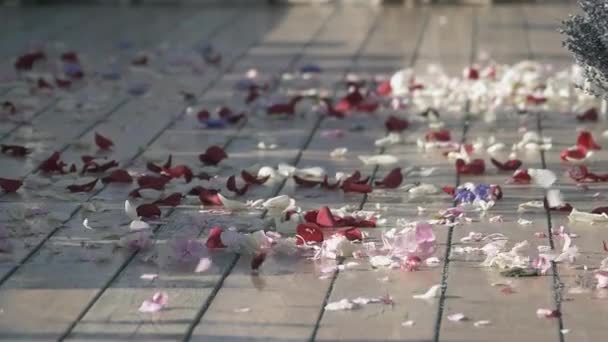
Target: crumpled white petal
[(382, 159), (585, 217), (542, 177)]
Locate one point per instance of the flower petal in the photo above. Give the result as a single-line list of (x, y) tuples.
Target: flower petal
[(87, 187), (586, 140), (10, 185), (102, 142), (214, 240), (148, 210), (118, 176), (213, 155), (392, 180)]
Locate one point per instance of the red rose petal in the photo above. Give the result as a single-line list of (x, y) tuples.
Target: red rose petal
[(349, 102), (15, 150), (440, 135), (53, 164), (153, 182), (251, 179), (70, 56), (231, 185), (153, 167), (475, 167), (43, 84), (284, 108), (392, 180), (258, 260), (203, 115), (213, 155), (535, 99), (576, 153), (395, 124), (307, 232), (590, 115), (585, 139), (471, 73), (87, 187), (325, 218), (102, 142), (179, 171), (209, 197), (214, 240), (582, 174), (148, 210), (384, 88), (368, 106), (352, 234), (448, 190), (10, 185), (26, 61), (330, 109), (600, 210), (118, 176), (509, 165), (521, 177), (63, 84), (172, 200), (356, 187), (356, 178)]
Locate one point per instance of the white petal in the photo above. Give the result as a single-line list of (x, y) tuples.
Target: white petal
[(203, 265), (495, 149), (380, 261), (542, 177), (382, 159), (149, 306), (316, 172), (482, 323), (585, 217), (130, 210), (523, 207), (554, 198), (408, 323), (231, 204), (148, 276), (392, 138), (457, 317), (432, 292), (338, 152), (85, 223), (138, 225), (343, 304)]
